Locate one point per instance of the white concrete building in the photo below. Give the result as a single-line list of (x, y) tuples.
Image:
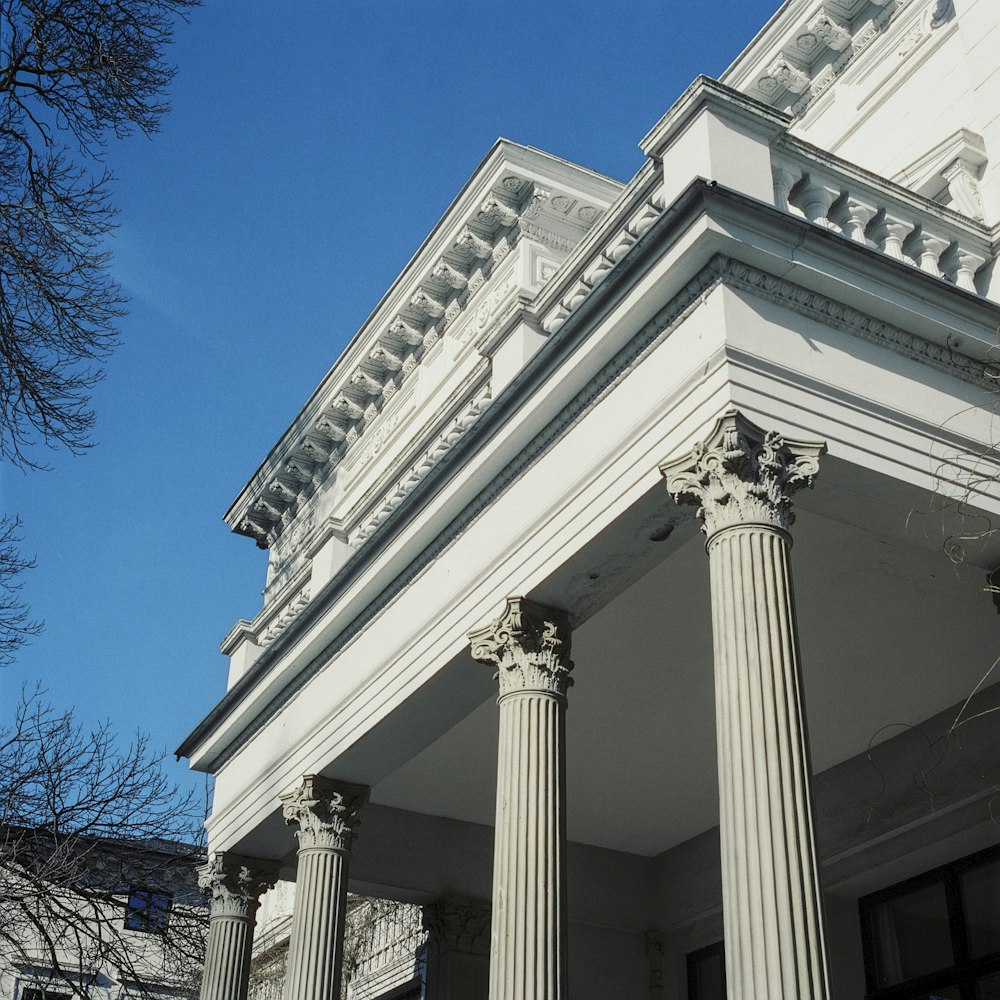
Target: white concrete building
[(574, 389), (104, 919)]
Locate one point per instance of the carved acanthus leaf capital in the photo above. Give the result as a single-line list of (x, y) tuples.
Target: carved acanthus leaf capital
[(459, 924), (325, 811), (743, 475), (530, 645), (236, 883)]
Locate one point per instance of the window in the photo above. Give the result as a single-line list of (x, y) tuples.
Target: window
[(147, 910), (706, 973), (40, 993), (937, 936)]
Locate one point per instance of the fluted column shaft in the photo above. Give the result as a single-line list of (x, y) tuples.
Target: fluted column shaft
[(235, 885), (326, 815), (530, 646), (742, 479), (773, 910)]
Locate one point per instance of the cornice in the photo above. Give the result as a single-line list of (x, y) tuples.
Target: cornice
[(706, 92), (538, 372), (808, 44), (516, 191)]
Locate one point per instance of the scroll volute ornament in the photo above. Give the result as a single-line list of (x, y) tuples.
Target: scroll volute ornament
[(326, 812), (529, 644), (743, 475)]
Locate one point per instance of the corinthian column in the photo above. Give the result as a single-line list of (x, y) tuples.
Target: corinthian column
[(742, 480), (529, 644), (235, 885), (326, 813)]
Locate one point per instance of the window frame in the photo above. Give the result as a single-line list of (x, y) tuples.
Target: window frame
[(34, 991), (966, 971), (141, 915)]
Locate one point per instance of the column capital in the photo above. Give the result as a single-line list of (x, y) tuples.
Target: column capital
[(325, 811), (529, 644), (236, 883), (459, 924), (741, 474)]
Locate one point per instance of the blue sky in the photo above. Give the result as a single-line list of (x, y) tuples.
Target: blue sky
[(311, 147)]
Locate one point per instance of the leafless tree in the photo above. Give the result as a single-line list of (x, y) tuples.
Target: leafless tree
[(98, 858), (16, 625), (74, 74)]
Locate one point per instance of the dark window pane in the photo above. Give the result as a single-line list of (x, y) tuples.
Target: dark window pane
[(147, 911), (912, 935), (988, 988), (981, 894), (707, 973), (941, 993)]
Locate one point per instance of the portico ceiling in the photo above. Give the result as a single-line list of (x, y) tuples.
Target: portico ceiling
[(879, 604)]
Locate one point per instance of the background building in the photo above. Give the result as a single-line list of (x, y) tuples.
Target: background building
[(99, 918)]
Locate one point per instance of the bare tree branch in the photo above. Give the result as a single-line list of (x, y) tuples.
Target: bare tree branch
[(83, 820)]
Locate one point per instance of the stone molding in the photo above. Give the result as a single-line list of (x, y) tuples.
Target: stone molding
[(802, 54), (236, 884), (520, 192), (832, 312), (529, 644), (428, 459), (325, 812), (459, 924), (720, 270), (742, 475)]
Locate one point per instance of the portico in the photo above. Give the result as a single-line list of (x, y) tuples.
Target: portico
[(574, 390)]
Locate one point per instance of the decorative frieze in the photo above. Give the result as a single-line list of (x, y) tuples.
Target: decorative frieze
[(472, 244), (818, 52), (495, 211), (449, 275), (428, 303), (832, 34), (781, 75), (406, 483), (406, 331)]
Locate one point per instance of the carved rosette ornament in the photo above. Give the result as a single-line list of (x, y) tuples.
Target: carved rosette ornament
[(325, 812), (235, 884), (529, 644), (743, 475)]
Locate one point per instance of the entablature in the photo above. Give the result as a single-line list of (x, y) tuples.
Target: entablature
[(446, 299), (393, 444)]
